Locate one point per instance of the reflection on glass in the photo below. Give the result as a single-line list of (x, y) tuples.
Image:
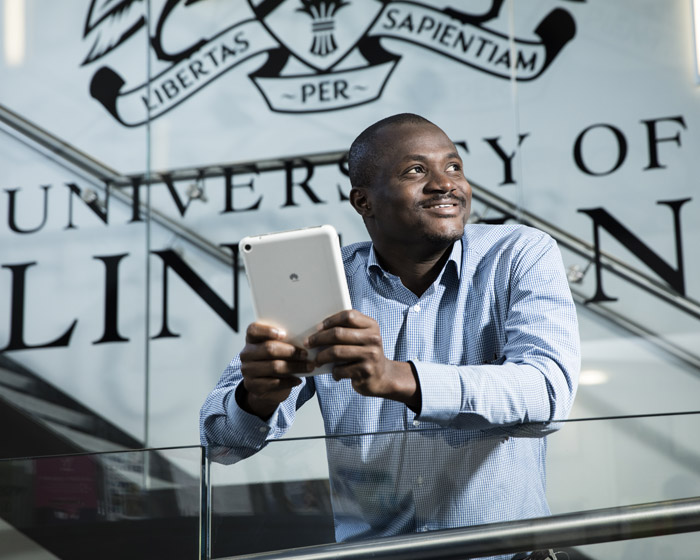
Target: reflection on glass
[(427, 480), (110, 505)]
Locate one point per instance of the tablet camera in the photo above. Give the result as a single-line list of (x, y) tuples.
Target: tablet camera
[(294, 277)]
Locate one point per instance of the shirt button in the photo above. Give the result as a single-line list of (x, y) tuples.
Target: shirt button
[(423, 529), (419, 480), (416, 423), (416, 308), (262, 429)]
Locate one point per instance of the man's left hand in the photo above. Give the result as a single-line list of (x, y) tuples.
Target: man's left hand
[(352, 341)]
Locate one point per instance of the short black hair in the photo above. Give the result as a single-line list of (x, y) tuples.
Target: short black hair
[(365, 153)]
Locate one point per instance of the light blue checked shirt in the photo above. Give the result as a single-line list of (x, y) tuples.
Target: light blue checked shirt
[(495, 344)]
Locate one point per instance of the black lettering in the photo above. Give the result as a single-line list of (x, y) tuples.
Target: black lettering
[(181, 207), (184, 79), (323, 91), (390, 13), (526, 64), (426, 24), (170, 88), (493, 53), (307, 90), (91, 201), (210, 54), (171, 260), (447, 33), (484, 42), (674, 277), (136, 199), (111, 330), (11, 211), (503, 59), (147, 103), (230, 185), (507, 159), (17, 341), (339, 87), (290, 184), (240, 40), (196, 67), (654, 140), (464, 43), (621, 150), (226, 53), (407, 23)]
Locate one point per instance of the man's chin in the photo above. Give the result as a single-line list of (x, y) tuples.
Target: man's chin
[(444, 237)]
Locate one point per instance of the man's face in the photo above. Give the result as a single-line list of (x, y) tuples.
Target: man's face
[(419, 194)]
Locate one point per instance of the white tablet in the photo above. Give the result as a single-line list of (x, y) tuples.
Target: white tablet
[(296, 280)]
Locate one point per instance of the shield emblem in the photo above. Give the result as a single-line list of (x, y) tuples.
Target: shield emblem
[(318, 32)]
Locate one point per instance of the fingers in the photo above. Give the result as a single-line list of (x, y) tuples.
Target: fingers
[(267, 350), (258, 332), (348, 318), (274, 368), (346, 328), (346, 355), (266, 354)]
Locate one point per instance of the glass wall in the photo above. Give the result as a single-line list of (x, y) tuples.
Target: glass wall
[(140, 141)]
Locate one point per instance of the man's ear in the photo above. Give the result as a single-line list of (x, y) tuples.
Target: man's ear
[(360, 201)]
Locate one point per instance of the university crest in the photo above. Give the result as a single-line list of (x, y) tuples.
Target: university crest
[(322, 55)]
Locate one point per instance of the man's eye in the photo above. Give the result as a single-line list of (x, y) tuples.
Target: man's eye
[(454, 167), (415, 169)]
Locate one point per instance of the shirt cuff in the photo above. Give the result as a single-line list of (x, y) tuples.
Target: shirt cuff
[(441, 392), (253, 431)]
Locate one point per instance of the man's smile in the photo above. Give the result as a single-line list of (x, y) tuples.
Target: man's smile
[(443, 204)]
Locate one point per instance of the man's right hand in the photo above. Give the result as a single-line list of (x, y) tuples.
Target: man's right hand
[(268, 365)]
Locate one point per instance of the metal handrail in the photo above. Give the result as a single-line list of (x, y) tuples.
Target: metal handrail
[(566, 530)]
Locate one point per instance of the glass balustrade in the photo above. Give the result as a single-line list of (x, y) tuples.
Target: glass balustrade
[(133, 504), (173, 502)]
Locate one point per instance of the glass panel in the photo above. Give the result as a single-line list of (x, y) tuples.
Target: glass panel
[(241, 111), (137, 504), (425, 480), (608, 146), (608, 463), (277, 499), (72, 246)]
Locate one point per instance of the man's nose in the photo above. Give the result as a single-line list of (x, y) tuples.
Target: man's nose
[(439, 182)]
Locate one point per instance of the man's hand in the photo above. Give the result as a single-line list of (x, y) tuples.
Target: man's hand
[(352, 341), (268, 364)]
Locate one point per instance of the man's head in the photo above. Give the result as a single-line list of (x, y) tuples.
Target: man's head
[(408, 184)]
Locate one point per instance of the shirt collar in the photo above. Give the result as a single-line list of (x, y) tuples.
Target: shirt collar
[(455, 257)]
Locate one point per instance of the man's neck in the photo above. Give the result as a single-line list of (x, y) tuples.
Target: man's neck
[(417, 271)]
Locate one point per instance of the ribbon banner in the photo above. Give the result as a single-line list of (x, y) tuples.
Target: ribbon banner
[(228, 49), (447, 32)]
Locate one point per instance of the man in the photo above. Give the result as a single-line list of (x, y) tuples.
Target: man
[(460, 351)]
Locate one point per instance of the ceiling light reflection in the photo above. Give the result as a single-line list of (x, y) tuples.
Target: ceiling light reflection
[(14, 32), (696, 36), (593, 377)]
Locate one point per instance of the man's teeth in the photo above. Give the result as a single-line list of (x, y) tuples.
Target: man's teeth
[(441, 206)]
